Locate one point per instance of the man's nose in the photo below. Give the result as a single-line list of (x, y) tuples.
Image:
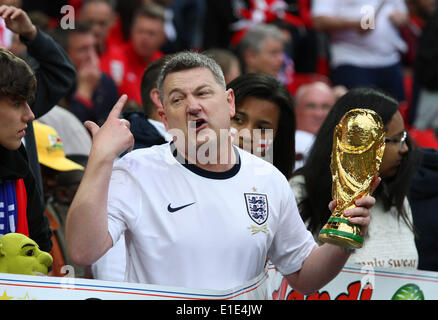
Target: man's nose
[(193, 105), (28, 115)]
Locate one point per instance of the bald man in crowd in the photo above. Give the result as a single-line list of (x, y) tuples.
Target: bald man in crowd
[(313, 103)]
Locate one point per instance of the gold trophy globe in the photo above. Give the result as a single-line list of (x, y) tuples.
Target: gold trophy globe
[(358, 146)]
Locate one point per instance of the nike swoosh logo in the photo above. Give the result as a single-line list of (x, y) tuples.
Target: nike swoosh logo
[(172, 210)]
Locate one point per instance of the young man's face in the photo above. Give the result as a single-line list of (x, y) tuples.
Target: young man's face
[(14, 116)]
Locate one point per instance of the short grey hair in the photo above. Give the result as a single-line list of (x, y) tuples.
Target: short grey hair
[(189, 60), (253, 39)]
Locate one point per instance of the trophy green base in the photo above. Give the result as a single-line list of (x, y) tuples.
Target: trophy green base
[(339, 231)]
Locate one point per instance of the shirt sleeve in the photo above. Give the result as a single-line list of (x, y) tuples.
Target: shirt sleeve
[(292, 242), (124, 201)]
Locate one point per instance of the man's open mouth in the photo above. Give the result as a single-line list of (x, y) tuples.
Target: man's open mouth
[(198, 124)]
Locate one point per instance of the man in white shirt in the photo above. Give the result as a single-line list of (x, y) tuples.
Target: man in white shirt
[(365, 45), (148, 130), (190, 222)]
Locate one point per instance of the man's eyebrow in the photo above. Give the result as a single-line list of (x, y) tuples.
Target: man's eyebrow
[(28, 245), (178, 90), (202, 86)]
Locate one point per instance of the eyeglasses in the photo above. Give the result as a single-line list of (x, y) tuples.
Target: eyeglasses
[(401, 140)]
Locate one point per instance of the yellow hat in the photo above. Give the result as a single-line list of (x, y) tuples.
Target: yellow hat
[(50, 149)]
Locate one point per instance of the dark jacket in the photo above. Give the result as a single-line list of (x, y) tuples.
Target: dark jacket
[(424, 204), (54, 72), (55, 76), (13, 166), (145, 134)]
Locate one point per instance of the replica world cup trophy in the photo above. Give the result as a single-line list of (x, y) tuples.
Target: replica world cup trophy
[(358, 146)]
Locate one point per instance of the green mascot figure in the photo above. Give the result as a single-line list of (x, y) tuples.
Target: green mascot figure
[(21, 255)]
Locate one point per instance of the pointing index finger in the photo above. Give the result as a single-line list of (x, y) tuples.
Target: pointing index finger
[(118, 107)]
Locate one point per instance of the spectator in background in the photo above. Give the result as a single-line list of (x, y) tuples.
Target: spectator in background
[(312, 104), (100, 16), (261, 50), (390, 240), (364, 55), (95, 92), (147, 37), (263, 103), (228, 62)]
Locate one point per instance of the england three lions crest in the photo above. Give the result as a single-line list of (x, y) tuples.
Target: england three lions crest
[(257, 207)]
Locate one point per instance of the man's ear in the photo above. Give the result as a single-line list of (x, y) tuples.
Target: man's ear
[(163, 118), (154, 95), (231, 102)]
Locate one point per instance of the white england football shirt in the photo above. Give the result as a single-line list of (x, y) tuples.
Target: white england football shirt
[(188, 227)]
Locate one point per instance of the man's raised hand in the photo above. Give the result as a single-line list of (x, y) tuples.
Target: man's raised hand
[(114, 137)]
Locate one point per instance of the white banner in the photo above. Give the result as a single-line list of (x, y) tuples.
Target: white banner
[(23, 287), (364, 283), (353, 283)]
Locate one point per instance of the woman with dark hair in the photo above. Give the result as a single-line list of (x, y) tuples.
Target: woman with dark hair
[(390, 239), (263, 103)]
